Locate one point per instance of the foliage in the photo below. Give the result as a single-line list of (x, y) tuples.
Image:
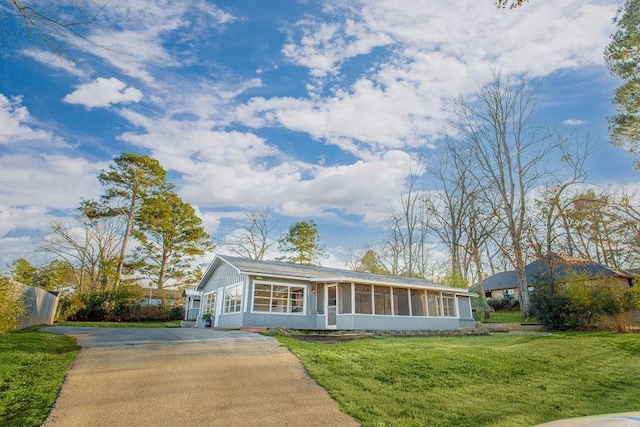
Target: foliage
[(508, 303), (128, 181), (120, 304), (170, 235), (12, 306), (623, 56), (279, 332), (302, 242), (49, 276), (456, 381), (371, 263), (32, 368), (593, 304), (454, 280), (86, 249)]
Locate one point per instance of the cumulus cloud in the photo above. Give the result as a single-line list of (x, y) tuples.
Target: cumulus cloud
[(103, 93), (16, 124), (47, 181)]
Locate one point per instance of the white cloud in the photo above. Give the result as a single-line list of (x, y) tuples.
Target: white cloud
[(47, 181), (103, 93), (55, 61), (12, 248), (574, 122), (16, 124)]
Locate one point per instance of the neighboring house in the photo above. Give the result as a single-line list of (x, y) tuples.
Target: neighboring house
[(564, 269), (191, 303), (245, 293)]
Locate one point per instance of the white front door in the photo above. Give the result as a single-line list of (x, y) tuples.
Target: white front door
[(332, 306)]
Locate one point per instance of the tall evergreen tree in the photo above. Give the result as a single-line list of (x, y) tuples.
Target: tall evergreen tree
[(129, 180), (170, 235), (302, 243), (623, 56)]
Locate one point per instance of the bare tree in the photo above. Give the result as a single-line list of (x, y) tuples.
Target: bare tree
[(89, 246), (448, 205), (511, 153), (405, 250), (57, 25), (254, 236)]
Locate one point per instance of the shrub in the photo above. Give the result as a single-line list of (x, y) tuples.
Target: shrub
[(279, 331), (593, 304), (507, 303), (12, 306)]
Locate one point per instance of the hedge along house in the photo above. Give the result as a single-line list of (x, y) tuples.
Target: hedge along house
[(245, 293)]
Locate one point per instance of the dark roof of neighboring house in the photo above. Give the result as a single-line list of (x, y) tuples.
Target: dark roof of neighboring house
[(503, 280), (563, 268), (316, 274)]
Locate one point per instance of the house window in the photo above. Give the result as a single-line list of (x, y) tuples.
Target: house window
[(382, 298), (195, 303), (272, 298), (209, 303), (401, 301), (363, 299), (233, 299), (509, 293), (418, 302), (448, 305), (344, 289)]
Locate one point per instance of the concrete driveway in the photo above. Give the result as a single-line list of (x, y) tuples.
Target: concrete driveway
[(171, 377)]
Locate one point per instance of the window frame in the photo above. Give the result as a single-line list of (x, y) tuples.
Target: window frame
[(292, 289), (233, 298)]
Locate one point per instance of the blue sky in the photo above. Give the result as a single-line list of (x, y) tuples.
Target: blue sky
[(311, 107)]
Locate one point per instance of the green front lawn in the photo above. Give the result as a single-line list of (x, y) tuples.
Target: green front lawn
[(506, 317), (498, 380), (32, 367)]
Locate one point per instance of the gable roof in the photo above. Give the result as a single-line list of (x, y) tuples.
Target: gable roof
[(312, 273), (562, 267)]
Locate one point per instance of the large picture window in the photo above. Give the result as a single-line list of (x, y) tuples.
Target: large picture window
[(273, 298), (233, 299)]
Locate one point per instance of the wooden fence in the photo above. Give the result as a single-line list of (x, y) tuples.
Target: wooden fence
[(40, 306)]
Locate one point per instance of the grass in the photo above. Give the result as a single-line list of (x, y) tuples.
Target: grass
[(506, 317), (169, 324), (32, 368), (497, 380)]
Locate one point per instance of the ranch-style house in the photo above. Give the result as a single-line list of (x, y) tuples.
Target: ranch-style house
[(246, 293)]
